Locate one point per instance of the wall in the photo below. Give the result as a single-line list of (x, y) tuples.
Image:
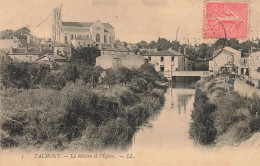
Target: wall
[(95, 31), (24, 58), (104, 61)]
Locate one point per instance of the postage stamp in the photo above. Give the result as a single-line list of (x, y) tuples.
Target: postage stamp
[(226, 19)]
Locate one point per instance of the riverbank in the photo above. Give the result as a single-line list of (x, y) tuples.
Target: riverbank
[(78, 117), (222, 116)]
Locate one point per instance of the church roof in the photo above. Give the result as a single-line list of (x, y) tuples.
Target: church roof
[(84, 24)]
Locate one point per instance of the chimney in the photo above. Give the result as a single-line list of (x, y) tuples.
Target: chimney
[(27, 48), (41, 48), (11, 50), (28, 40)]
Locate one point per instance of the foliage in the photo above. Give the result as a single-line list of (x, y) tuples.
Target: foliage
[(20, 33), (23, 74), (54, 80), (110, 79), (75, 117), (258, 69), (85, 55), (163, 44), (71, 73), (202, 128)]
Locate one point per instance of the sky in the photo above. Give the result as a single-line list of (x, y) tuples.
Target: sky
[(134, 20)]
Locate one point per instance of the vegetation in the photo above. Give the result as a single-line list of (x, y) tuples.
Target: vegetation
[(66, 113), (221, 116), (85, 55), (19, 33)]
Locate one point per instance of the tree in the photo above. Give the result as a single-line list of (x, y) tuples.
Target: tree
[(233, 43), (163, 44), (110, 79), (202, 128), (21, 33), (142, 44), (175, 45), (71, 73), (153, 45), (124, 75), (7, 34), (14, 74), (85, 55)]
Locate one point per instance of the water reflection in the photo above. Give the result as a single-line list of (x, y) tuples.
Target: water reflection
[(170, 128)]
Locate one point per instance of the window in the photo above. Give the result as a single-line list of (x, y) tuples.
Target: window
[(105, 39), (71, 37), (172, 58), (88, 36), (162, 68), (162, 58), (149, 59), (97, 37)]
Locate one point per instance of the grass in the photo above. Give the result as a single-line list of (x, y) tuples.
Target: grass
[(75, 117), (234, 118)]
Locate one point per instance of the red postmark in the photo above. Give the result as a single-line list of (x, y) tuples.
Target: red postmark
[(226, 18)]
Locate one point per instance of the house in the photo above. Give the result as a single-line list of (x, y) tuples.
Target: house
[(23, 55), (27, 54), (61, 49), (118, 57), (52, 59), (8, 43), (167, 61), (229, 60), (254, 65)]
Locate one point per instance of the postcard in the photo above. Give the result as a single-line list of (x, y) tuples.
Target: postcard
[(130, 82)]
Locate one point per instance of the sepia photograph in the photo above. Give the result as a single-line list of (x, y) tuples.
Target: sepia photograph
[(130, 82)]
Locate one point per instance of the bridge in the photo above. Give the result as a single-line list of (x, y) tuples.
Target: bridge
[(202, 74)]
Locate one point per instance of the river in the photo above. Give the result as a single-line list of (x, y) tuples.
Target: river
[(167, 142), (170, 128)]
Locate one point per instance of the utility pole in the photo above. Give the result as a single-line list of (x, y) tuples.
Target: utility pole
[(176, 39)]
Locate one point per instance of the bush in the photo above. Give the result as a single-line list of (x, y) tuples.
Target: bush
[(202, 128), (23, 74), (54, 81), (71, 73)]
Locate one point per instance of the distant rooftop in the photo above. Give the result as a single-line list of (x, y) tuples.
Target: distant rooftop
[(164, 53)]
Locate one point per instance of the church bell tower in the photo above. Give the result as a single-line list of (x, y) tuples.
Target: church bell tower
[(56, 27)]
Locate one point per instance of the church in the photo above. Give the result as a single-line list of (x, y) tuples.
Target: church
[(83, 34)]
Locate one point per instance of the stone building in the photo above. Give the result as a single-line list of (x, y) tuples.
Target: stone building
[(167, 61), (229, 60), (119, 57), (81, 33)]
